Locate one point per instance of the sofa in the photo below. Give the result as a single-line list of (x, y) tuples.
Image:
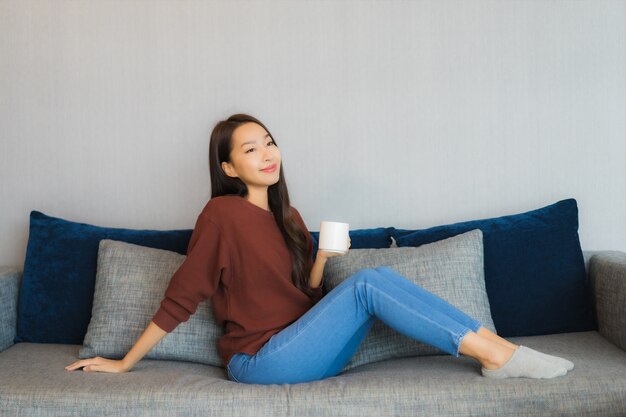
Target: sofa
[(33, 381)]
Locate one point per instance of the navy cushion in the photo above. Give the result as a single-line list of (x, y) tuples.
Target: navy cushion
[(57, 288), (534, 269)]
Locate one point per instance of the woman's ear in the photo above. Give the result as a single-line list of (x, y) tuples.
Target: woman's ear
[(229, 170)]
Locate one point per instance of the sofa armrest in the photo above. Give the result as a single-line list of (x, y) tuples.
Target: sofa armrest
[(607, 278), (9, 285)]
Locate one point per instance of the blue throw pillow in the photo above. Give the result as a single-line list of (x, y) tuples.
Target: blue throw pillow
[(377, 238), (57, 288), (534, 269)]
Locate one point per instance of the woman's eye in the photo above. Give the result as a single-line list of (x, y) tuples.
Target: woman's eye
[(251, 149)]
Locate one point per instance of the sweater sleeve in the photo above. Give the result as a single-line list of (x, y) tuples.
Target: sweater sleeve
[(198, 276)]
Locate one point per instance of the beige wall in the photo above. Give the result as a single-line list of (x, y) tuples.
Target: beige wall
[(403, 113)]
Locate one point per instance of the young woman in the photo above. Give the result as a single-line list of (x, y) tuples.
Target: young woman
[(250, 252)]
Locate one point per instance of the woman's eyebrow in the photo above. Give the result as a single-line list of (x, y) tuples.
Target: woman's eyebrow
[(254, 141)]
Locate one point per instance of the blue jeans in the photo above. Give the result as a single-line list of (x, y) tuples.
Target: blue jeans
[(320, 343)]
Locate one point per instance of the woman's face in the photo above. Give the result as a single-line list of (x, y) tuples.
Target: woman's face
[(253, 151)]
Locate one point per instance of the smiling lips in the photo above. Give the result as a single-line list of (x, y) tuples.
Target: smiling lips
[(270, 168)]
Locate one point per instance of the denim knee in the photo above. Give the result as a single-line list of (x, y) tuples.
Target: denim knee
[(366, 274)]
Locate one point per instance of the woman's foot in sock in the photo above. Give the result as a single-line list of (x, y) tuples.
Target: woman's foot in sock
[(555, 359), (524, 364)]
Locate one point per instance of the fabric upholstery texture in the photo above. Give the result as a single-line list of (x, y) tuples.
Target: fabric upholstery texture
[(451, 269), (608, 273), (34, 383), (130, 283), (56, 293), (534, 268), (9, 284)]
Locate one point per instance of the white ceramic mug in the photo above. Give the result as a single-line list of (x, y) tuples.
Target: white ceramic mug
[(334, 236)]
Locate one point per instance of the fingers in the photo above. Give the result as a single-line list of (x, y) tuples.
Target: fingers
[(91, 368), (74, 366), (83, 363), (331, 254), (98, 364)]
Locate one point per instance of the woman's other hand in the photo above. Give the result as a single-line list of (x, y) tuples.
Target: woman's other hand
[(99, 364), (146, 341)]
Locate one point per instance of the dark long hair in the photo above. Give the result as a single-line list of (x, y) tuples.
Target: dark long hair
[(278, 196)]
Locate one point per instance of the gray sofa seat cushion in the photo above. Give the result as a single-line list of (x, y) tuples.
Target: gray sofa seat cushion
[(33, 382)]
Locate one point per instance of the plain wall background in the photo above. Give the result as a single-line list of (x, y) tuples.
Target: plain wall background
[(387, 113)]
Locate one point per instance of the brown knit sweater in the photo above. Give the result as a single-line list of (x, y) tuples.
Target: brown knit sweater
[(238, 258)]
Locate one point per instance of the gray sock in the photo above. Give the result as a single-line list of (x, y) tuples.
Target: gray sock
[(526, 365), (554, 359)]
